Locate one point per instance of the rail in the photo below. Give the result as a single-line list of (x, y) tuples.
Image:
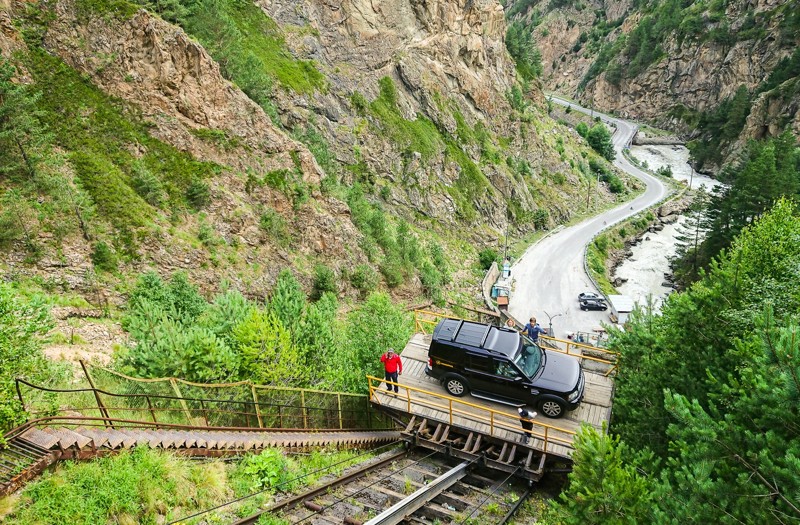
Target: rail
[(423, 321), (417, 398), (343, 412), (580, 350), (405, 507)]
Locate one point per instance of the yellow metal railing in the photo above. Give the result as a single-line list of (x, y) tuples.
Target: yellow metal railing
[(452, 408), (425, 320), (579, 350)]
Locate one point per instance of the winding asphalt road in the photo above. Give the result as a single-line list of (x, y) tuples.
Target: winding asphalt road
[(550, 274)]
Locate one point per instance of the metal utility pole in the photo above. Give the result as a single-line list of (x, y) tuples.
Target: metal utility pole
[(505, 245), (550, 323)]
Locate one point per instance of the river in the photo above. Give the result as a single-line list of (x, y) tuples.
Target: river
[(645, 269)]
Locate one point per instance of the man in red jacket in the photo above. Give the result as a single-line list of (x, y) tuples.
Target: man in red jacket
[(393, 367)]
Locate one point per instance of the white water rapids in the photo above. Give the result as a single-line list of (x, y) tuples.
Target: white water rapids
[(645, 269)]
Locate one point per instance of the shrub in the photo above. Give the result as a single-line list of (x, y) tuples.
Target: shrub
[(23, 325), (364, 279), (324, 281), (392, 270), (540, 218), (198, 194), (103, 257), (431, 280), (274, 225), (599, 139), (487, 257), (359, 103)]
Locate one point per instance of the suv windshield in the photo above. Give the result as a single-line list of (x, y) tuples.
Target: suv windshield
[(530, 357)]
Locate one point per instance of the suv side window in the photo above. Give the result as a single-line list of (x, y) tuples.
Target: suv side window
[(478, 362), (505, 369)]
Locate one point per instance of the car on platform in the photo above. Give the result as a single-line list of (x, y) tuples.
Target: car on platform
[(594, 304), (590, 295), (500, 364)]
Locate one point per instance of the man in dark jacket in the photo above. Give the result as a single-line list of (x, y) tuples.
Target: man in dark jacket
[(393, 367), (532, 330), (525, 419)]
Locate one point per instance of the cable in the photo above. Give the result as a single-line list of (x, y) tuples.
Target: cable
[(365, 488), (488, 496), (242, 498)]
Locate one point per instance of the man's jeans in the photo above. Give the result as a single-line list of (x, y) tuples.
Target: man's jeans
[(391, 376)]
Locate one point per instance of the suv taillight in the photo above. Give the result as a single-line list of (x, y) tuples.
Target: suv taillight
[(430, 363)]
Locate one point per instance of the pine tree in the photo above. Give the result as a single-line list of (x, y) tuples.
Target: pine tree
[(24, 141), (684, 264)]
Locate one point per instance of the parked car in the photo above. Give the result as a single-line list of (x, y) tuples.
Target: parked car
[(502, 365), (590, 295), (594, 304)]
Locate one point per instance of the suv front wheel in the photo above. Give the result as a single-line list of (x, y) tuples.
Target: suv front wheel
[(552, 407), (455, 385)]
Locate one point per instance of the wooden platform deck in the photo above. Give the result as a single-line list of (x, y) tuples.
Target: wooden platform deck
[(552, 436)]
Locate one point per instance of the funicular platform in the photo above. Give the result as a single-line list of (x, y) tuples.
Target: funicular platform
[(469, 427)]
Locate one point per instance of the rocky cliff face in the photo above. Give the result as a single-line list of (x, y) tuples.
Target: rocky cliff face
[(695, 73), (449, 64), (438, 53)]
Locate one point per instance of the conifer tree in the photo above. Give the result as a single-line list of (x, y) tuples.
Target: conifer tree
[(24, 140)]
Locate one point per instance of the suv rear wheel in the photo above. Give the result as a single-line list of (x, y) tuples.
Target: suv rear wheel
[(456, 385), (552, 407)]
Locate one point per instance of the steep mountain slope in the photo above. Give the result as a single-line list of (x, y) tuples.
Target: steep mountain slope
[(728, 69), (254, 137)]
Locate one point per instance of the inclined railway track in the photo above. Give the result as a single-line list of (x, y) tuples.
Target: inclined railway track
[(405, 487)]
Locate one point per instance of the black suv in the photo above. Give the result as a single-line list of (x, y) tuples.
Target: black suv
[(500, 364)]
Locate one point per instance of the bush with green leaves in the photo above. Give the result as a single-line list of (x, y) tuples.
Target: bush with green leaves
[(23, 326), (103, 257), (372, 328), (487, 256), (324, 281), (599, 139), (198, 194), (364, 279), (141, 485)]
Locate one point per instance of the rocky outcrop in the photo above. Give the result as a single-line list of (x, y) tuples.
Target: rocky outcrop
[(177, 85), (696, 73), (448, 62)]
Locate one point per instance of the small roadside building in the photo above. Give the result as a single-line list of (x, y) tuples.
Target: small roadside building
[(621, 307)]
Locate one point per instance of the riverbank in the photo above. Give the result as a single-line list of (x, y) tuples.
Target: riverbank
[(613, 247)]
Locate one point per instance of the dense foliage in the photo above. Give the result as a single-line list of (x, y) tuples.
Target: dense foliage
[(23, 324), (152, 486), (766, 171), (706, 403), (522, 47), (175, 332)]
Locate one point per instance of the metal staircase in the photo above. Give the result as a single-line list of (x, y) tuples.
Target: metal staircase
[(35, 448)]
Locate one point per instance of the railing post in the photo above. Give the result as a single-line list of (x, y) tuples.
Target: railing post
[(19, 395), (451, 411), (152, 412), (339, 400), (303, 405), (255, 400), (546, 442), (103, 410), (491, 422), (203, 409), (181, 399), (408, 396)]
